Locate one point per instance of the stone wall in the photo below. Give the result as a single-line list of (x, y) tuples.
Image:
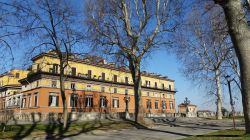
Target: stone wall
[(210, 114), (29, 118)]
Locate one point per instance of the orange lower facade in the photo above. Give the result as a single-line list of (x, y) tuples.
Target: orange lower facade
[(42, 100)]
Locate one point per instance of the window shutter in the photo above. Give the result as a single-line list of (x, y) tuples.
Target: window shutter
[(57, 100), (91, 104), (113, 103), (117, 103), (50, 100), (105, 102), (86, 102)]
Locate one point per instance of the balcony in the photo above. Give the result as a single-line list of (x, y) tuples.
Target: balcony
[(97, 78)]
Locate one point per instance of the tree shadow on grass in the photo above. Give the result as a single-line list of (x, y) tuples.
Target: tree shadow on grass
[(70, 131), (141, 126), (54, 129), (22, 131)]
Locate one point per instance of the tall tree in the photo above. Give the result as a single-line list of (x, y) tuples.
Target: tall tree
[(236, 17), (52, 25), (131, 29), (204, 49)]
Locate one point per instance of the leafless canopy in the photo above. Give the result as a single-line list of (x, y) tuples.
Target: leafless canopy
[(130, 28)]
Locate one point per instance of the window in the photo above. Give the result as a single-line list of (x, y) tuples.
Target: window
[(17, 101), (89, 73), (148, 94), (156, 105), (102, 89), (103, 101), (115, 102), (169, 87), (88, 88), (53, 99), (126, 91), (147, 83), (115, 78), (17, 75), (36, 99), (24, 102), (38, 67), (55, 68), (103, 76), (89, 101), (162, 85), (155, 84), (29, 100), (73, 86), (73, 71), (148, 104), (164, 105), (115, 90), (73, 100), (53, 83), (37, 83), (126, 80), (171, 105)]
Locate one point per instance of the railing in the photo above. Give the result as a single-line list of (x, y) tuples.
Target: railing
[(99, 78)]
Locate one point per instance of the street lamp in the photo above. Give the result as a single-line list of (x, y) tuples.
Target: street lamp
[(230, 95), (126, 99)]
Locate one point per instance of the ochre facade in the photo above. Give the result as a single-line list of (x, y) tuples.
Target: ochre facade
[(90, 85)]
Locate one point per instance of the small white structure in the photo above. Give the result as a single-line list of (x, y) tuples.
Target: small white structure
[(187, 109)]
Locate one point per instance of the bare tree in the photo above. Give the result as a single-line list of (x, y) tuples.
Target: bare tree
[(130, 29), (51, 25), (236, 16), (204, 47), (8, 34)]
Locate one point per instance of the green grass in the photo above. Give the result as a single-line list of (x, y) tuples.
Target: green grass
[(230, 134), (56, 131)]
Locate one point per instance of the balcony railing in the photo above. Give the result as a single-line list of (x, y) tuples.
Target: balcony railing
[(99, 78)]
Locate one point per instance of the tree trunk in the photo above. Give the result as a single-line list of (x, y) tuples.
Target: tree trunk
[(218, 95), (62, 89), (139, 115), (239, 32), (136, 75)]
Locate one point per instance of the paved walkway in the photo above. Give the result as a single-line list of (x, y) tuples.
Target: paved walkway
[(178, 129)]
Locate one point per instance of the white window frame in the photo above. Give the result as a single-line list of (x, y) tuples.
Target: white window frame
[(89, 103), (102, 101), (115, 102)]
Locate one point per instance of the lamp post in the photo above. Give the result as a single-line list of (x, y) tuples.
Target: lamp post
[(126, 99), (231, 99)]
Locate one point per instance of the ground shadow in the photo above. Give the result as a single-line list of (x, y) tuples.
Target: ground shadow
[(141, 126)]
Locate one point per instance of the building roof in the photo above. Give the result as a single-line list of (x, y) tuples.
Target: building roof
[(99, 62), (183, 104)]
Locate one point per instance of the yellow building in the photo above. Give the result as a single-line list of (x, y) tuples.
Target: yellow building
[(91, 84), (9, 85)]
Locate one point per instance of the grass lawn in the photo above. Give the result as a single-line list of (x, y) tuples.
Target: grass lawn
[(231, 134), (53, 131)]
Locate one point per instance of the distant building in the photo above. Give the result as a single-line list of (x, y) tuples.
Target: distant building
[(10, 88), (187, 109)]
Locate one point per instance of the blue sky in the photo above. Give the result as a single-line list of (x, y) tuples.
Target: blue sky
[(163, 63)]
